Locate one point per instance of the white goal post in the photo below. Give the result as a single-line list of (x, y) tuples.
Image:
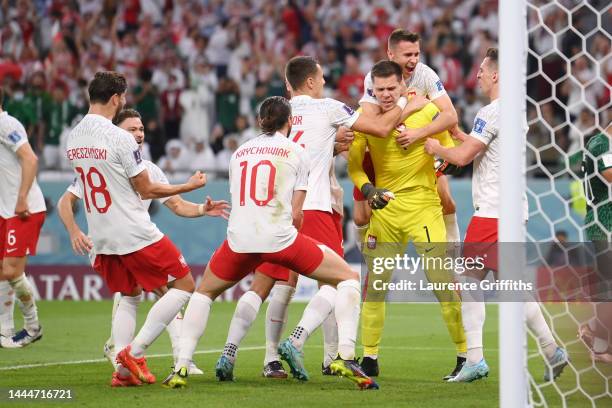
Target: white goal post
[(513, 384)]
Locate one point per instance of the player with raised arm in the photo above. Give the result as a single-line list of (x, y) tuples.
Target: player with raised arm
[(424, 85), (22, 214), (482, 147), (268, 181), (414, 214), (131, 253), (315, 123), (130, 120)]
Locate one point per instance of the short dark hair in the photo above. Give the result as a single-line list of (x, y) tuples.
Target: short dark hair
[(492, 55), (298, 69), (399, 35), (274, 113), (106, 84), (126, 114), (386, 68)]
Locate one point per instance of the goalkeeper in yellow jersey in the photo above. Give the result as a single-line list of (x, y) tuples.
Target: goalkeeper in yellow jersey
[(406, 208)]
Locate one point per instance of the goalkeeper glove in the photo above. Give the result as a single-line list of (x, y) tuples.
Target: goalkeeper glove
[(444, 167), (378, 198)]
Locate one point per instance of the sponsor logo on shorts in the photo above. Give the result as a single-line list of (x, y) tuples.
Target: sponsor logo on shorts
[(479, 125), (14, 136), (8, 251), (371, 241)]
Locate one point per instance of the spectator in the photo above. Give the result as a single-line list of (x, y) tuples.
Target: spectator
[(202, 158), (171, 108), (176, 159), (350, 84), (244, 131), (223, 157), (228, 104), (58, 117)]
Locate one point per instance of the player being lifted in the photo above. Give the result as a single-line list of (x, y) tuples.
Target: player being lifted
[(415, 214), (482, 147), (22, 214), (315, 123), (403, 48), (131, 253), (130, 120), (268, 181)]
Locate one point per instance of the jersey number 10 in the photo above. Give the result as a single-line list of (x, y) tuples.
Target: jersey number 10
[(94, 189), (253, 184)]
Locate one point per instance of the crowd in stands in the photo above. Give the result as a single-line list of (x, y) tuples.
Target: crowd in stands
[(197, 69)]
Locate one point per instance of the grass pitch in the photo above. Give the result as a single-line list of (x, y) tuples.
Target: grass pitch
[(415, 355)]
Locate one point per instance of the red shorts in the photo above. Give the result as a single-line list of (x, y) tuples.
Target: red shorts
[(19, 237), (368, 167), (303, 256), (481, 240), (148, 267), (323, 227)]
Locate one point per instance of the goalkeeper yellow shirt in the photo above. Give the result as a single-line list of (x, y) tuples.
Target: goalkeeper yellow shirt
[(397, 169)]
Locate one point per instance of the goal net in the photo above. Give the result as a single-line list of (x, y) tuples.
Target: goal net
[(569, 71)]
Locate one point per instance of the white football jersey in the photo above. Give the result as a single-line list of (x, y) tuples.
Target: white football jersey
[(314, 126), (155, 173), (12, 137), (423, 81), (104, 158), (485, 180), (264, 172)]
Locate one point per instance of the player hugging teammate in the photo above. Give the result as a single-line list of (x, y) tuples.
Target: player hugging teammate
[(284, 193)]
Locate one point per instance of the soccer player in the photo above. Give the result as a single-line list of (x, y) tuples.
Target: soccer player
[(415, 213), (482, 147), (268, 181), (403, 47), (314, 126), (22, 214), (131, 253), (130, 120), (597, 167)]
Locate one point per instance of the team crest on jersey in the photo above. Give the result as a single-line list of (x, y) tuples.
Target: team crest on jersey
[(439, 85), (348, 109), (370, 92), (479, 125), (371, 241), (137, 156), (14, 136)]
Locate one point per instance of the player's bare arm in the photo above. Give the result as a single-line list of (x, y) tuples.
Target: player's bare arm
[(344, 138), (149, 190), (188, 209), (29, 166), (297, 202), (373, 111), (81, 243), (382, 123), (447, 119), (460, 155)]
